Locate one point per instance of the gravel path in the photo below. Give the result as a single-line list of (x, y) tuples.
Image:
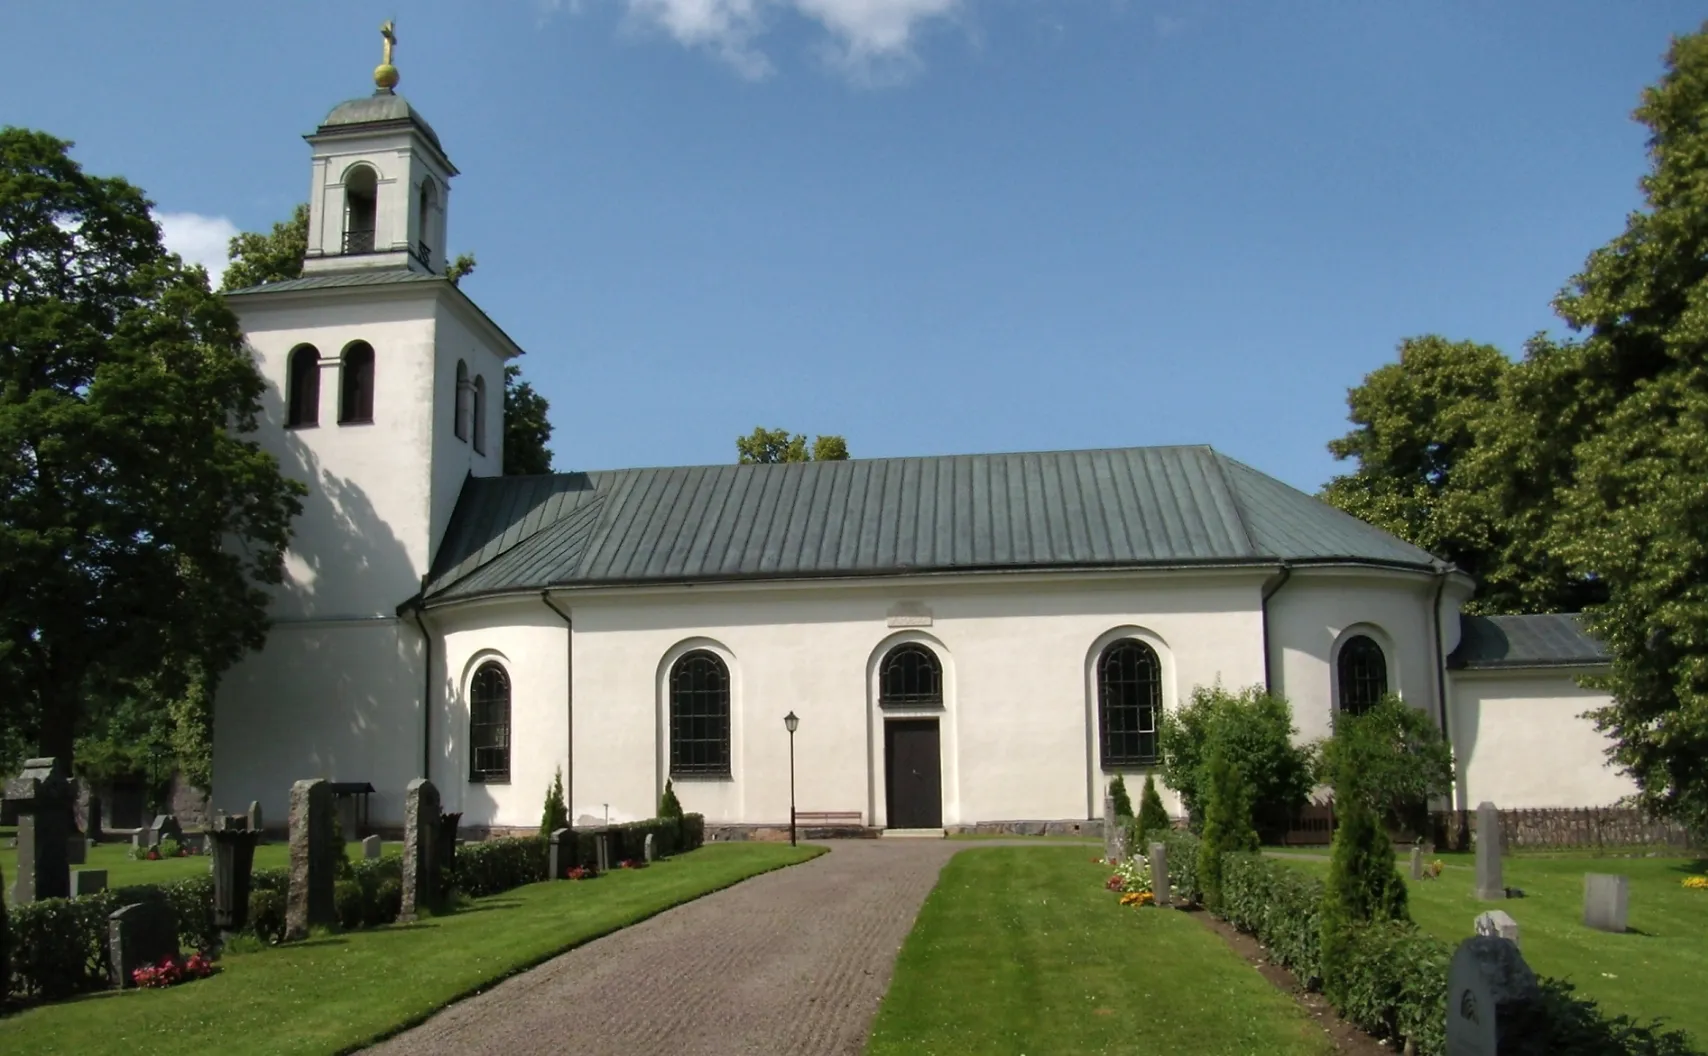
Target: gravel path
[(791, 962)]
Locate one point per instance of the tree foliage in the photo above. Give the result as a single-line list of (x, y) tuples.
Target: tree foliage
[(1364, 885), (527, 427), (1118, 793), (555, 814), (1153, 816), (1400, 758), (139, 524), (254, 258), (668, 805), (770, 446), (1228, 796), (1585, 482), (1256, 731)]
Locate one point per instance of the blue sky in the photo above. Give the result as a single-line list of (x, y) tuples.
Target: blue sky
[(932, 226)]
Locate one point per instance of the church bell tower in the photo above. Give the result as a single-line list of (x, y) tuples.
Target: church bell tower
[(381, 183)]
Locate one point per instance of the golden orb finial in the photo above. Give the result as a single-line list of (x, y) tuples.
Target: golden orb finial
[(385, 74)]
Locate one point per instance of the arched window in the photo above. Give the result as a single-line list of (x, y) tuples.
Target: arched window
[(356, 384), (489, 724), (1129, 696), (460, 410), (910, 677), (361, 209), (1363, 671), (424, 251), (479, 398), (699, 715), (302, 385)]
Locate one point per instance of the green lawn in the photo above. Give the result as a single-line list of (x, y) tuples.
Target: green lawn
[(339, 992), (1656, 970), (1082, 841), (1020, 950), (122, 871)]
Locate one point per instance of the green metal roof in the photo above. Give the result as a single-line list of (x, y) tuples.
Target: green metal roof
[(331, 280), (383, 109), (1544, 640), (1146, 506)]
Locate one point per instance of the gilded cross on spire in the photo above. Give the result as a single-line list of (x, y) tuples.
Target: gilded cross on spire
[(385, 74)]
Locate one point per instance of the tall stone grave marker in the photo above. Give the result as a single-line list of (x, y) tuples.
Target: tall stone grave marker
[(651, 854), (255, 816), (1110, 848), (43, 795), (1417, 863), (1606, 901), (420, 848), (233, 867), (560, 853), (138, 935), (1493, 1000), (308, 899), (1159, 874), (1490, 886)]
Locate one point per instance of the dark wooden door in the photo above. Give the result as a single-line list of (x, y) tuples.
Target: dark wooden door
[(913, 774)]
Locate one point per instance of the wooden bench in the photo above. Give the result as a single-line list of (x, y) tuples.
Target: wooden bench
[(830, 818)]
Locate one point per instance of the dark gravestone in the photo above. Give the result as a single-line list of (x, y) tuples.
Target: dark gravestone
[(164, 827), (560, 853), (1489, 883), (1493, 1001), (233, 865), (255, 815), (1159, 874), (92, 820), (602, 850), (88, 881), (308, 899), (140, 935), (43, 795), (420, 848), (77, 849)]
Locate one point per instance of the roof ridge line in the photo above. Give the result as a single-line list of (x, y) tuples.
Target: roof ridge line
[(1240, 513)]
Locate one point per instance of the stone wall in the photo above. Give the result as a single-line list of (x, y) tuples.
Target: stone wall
[(1565, 828)]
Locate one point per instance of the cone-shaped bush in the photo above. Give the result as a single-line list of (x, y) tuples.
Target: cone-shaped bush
[(1153, 819), (669, 806), (555, 816), (1364, 885), (1227, 821), (1118, 792)]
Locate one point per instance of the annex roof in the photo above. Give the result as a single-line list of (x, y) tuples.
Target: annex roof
[(1544, 640), (1145, 506)]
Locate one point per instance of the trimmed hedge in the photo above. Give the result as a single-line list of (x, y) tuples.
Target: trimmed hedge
[(1396, 983), (491, 866), (5, 946)]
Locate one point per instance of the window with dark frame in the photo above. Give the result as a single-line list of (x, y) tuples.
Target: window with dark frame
[(489, 724), (1129, 696), (1363, 671), (699, 716), (302, 398), (479, 399), (356, 385), (460, 409), (910, 677)]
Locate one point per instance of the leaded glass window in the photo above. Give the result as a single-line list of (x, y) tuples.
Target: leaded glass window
[(1129, 698), (489, 724), (699, 716)]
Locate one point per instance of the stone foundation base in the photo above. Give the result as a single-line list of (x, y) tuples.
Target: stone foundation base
[(775, 833), (1091, 829)]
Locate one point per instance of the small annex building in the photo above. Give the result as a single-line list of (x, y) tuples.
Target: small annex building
[(966, 639)]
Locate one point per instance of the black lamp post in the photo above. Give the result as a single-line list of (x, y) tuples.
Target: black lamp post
[(790, 722)]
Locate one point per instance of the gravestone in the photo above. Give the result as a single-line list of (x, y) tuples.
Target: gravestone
[(1109, 839), (92, 821), (255, 815), (233, 823), (140, 935), (649, 848), (1417, 863), (164, 827), (139, 840), (370, 847), (233, 867), (1490, 886), (76, 849), (1493, 1001), (1497, 924), (43, 796), (1606, 901), (602, 850), (560, 853), (1159, 875), (88, 881), (308, 898), (420, 850)]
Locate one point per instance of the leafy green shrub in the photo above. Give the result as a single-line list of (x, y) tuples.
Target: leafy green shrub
[(1394, 757), (1183, 865), (491, 866), (1574, 1026), (1256, 731), (1227, 821), (387, 901), (267, 914), (59, 946), (555, 816), (1280, 906), (1153, 817), (669, 806), (693, 831), (170, 848), (347, 904), (1123, 802)]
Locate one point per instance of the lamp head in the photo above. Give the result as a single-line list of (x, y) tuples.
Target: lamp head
[(791, 722)]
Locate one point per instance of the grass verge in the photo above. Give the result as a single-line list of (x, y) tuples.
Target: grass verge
[(1654, 970), (337, 993), (1021, 950), (124, 871)]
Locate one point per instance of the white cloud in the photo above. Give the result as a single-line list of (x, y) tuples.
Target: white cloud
[(198, 239), (870, 40)]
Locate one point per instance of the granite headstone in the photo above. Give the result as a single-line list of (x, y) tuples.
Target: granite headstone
[(420, 848), (43, 796), (139, 935), (88, 881), (560, 853), (1606, 901), (308, 898), (1492, 999), (1159, 874), (1496, 923), (1490, 886)]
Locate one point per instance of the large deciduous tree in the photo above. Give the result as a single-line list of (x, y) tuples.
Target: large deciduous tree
[(770, 446), (139, 524), (275, 256)]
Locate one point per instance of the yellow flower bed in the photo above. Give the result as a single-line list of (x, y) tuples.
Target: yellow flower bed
[(1137, 898), (1696, 883)]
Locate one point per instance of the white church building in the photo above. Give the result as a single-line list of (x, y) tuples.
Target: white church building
[(964, 639)]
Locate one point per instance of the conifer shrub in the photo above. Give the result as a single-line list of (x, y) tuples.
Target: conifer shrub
[(267, 914), (347, 904), (1364, 887), (669, 806), (1118, 792), (1153, 818), (555, 816), (1227, 821)]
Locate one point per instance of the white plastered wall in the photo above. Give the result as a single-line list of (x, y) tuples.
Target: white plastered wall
[(1521, 740), (454, 459)]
